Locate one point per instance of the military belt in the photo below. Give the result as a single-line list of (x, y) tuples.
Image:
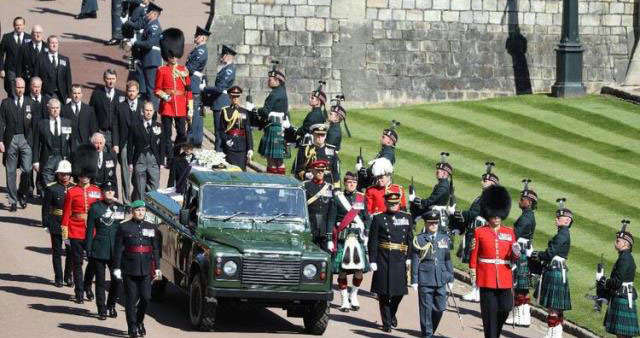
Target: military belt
[(393, 246), (140, 248), (236, 132), (493, 261), (56, 212), (79, 215)]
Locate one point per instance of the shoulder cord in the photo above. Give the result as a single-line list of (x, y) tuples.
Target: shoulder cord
[(309, 155), (424, 249), (231, 121)]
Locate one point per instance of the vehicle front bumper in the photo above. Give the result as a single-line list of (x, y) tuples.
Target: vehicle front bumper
[(269, 294)]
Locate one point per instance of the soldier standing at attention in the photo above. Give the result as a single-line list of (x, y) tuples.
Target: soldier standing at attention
[(524, 227), (136, 260), (390, 240), (235, 131), (52, 206), (196, 63), (74, 217), (621, 318), (554, 293), (104, 218), (319, 198), (224, 80), (493, 250), (431, 270)]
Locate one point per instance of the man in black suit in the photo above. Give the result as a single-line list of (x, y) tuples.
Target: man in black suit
[(128, 113), (17, 122), (52, 142), (104, 101), (55, 71), (40, 106), (147, 153), (106, 166), (81, 115), (9, 48), (29, 54)]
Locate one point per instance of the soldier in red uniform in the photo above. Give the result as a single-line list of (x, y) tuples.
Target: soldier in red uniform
[(173, 87), (374, 195), (493, 250), (74, 216)]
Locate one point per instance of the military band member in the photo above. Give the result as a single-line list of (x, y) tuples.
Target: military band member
[(146, 153), (173, 86), (441, 193), (375, 194), (318, 149), (493, 250), (235, 131), (319, 198), (275, 117), (224, 80), (337, 114), (390, 241), (104, 218), (137, 258), (388, 142), (77, 203), (350, 221), (317, 101), (554, 292), (106, 164), (52, 206), (196, 64), (431, 271), (524, 227), (621, 318)]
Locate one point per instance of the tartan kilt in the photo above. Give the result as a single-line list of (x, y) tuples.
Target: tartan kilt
[(272, 143), (553, 293), (620, 319), (337, 258), (522, 274)]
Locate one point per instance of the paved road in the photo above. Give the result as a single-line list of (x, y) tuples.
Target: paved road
[(32, 306)]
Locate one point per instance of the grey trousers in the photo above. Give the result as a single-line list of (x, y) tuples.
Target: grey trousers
[(125, 174), (147, 175), (48, 171), (432, 303), (116, 24), (19, 152)]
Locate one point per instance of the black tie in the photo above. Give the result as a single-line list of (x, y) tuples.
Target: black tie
[(131, 105), (19, 103), (149, 128), (77, 108), (19, 40), (55, 128)]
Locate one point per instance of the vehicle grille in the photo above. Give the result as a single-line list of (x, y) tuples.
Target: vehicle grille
[(270, 271)]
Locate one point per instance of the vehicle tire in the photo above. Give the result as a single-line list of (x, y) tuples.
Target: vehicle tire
[(202, 314), (317, 318), (158, 288)]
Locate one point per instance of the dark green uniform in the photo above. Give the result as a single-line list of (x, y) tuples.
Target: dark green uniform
[(620, 318), (315, 116), (334, 135), (524, 228), (309, 154), (365, 177), (336, 213), (105, 219), (52, 206), (439, 197), (272, 144), (554, 292), (469, 226)]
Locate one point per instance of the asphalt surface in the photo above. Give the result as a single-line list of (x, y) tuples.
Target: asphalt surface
[(32, 307)]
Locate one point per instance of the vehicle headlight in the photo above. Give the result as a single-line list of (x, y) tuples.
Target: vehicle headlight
[(230, 268), (310, 271)]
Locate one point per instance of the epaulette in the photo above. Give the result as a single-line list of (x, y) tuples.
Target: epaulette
[(329, 145), (404, 212)]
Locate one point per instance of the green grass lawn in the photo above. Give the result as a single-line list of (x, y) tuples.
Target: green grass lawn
[(585, 149)]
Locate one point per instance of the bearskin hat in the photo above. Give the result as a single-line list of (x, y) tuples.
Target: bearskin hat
[(172, 43), (85, 161), (495, 202)]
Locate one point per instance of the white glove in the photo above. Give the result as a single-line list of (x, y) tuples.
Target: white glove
[(412, 197), (528, 251), (452, 209), (599, 275), (515, 248), (166, 97), (158, 274), (330, 245), (249, 106), (286, 124), (202, 84), (132, 41), (46, 229), (117, 273), (414, 286), (374, 266), (450, 286), (407, 262), (308, 175), (224, 91), (358, 166), (124, 19), (249, 154)]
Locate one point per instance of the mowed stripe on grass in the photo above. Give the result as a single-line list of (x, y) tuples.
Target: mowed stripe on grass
[(585, 149)]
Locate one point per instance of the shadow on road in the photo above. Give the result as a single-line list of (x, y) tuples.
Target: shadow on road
[(24, 279), (75, 36), (36, 293), (20, 220), (40, 250), (62, 309), (47, 10), (104, 59), (372, 334), (101, 330), (352, 320)]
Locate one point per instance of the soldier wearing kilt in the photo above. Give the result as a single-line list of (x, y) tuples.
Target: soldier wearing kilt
[(553, 292), (524, 227), (350, 220), (621, 318), (390, 241)]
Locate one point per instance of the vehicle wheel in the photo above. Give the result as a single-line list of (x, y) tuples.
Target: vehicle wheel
[(157, 289), (317, 318), (201, 313)]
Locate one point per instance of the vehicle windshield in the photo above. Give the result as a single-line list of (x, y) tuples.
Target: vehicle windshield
[(274, 204)]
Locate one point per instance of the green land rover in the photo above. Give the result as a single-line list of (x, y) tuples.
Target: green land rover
[(241, 238)]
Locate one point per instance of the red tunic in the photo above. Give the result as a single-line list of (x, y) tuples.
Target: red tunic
[(374, 196), (174, 81), (490, 257), (76, 207)]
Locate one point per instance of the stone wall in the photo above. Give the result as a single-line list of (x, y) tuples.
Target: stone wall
[(389, 52)]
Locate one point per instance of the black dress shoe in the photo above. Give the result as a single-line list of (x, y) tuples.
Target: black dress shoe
[(394, 322), (113, 42), (68, 281), (111, 310), (58, 284), (102, 315), (22, 202), (81, 16), (386, 329), (92, 15), (13, 207), (141, 330), (133, 332), (79, 299), (89, 294)]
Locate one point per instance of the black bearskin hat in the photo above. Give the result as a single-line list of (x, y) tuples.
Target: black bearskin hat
[(495, 202), (172, 43), (85, 161)]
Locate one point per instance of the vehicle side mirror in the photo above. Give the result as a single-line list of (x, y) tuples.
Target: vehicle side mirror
[(184, 217)]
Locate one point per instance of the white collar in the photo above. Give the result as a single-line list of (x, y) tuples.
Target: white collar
[(37, 98), (56, 119), (53, 54)]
